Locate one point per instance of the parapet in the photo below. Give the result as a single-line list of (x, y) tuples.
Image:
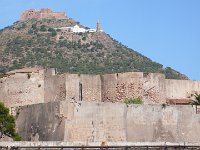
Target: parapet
[(42, 14), (24, 70)]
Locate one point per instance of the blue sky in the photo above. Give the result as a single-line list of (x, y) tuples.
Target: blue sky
[(167, 31)]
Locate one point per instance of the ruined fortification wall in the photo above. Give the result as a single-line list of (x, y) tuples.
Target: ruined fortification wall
[(181, 88), (150, 87), (41, 14), (41, 122), (22, 89), (112, 122), (171, 124), (117, 87), (45, 86), (83, 87), (72, 87), (96, 122), (51, 15), (91, 87), (154, 88), (55, 88)]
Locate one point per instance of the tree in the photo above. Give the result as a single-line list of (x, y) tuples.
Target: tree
[(43, 28), (53, 32), (7, 124), (84, 38), (197, 99)]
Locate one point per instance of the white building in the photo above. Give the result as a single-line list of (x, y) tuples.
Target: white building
[(76, 29)]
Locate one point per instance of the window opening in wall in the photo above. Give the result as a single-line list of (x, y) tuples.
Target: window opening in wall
[(80, 91)]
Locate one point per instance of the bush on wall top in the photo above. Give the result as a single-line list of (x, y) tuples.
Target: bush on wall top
[(133, 101)]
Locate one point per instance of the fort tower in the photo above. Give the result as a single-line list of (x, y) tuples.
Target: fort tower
[(98, 29)]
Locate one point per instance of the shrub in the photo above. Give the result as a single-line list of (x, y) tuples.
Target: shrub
[(133, 101), (7, 124), (28, 75), (53, 32), (51, 29), (17, 137), (30, 31), (84, 38), (43, 28), (34, 26)]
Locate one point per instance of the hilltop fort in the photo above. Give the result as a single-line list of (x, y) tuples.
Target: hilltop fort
[(40, 86), (83, 100), (89, 108), (41, 14), (41, 37)]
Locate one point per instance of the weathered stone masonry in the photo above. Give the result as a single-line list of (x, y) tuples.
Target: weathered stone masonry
[(22, 88), (45, 86), (76, 107), (110, 122), (41, 14)]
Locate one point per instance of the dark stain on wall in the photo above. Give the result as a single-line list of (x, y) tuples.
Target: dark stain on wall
[(41, 122)]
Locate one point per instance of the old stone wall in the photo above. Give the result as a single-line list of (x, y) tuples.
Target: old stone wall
[(91, 87), (18, 89), (154, 88), (111, 122), (40, 122), (22, 89), (117, 87), (72, 87), (54, 88), (158, 123), (41, 14), (52, 15), (96, 122), (181, 88), (83, 87)]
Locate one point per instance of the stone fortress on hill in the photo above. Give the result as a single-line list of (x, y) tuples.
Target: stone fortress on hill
[(79, 107), (90, 108), (42, 14), (41, 86), (47, 13)]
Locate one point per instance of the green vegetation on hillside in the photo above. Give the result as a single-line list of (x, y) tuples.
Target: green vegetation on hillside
[(39, 43)]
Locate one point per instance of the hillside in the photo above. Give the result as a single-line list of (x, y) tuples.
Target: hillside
[(42, 43)]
